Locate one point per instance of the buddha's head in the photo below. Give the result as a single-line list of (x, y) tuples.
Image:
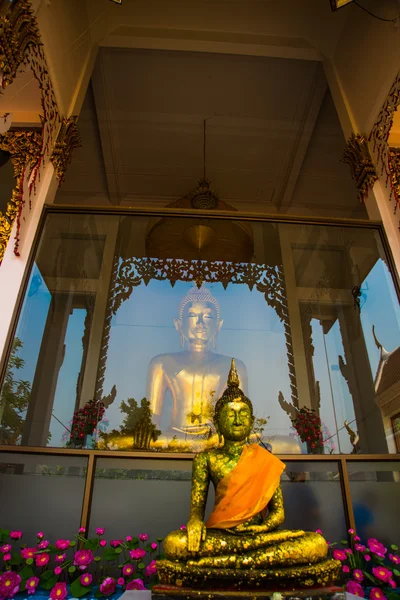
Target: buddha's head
[(199, 318), (233, 413)]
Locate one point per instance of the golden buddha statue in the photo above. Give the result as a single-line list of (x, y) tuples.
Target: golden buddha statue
[(194, 375), (240, 545)]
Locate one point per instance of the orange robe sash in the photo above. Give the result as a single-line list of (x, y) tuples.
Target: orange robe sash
[(247, 489)]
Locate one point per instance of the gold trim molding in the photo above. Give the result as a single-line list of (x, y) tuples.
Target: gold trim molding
[(362, 168), (25, 147), (379, 138), (394, 166), (68, 139)]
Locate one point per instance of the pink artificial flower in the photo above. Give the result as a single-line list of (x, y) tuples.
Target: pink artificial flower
[(376, 547), (351, 531), (395, 559), (16, 535), (318, 531), (59, 591), (43, 544), (40, 535), (129, 538), (100, 531), (7, 557), (135, 584), (358, 575), (345, 569), (127, 570), (60, 558), (348, 551), (57, 570), (28, 553), (356, 538), (42, 559), (86, 579), (5, 548), (182, 527), (392, 584), (137, 553), (9, 584), (107, 586), (143, 537), (103, 543), (83, 558), (382, 573), (81, 530), (354, 588), (121, 581), (360, 547), (151, 568), (62, 544), (31, 584), (116, 543), (339, 555), (367, 557), (377, 594), (154, 545)]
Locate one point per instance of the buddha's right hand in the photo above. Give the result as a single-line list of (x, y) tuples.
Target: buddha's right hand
[(196, 532)]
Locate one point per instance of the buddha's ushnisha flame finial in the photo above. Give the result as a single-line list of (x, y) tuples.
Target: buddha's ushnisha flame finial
[(233, 377)]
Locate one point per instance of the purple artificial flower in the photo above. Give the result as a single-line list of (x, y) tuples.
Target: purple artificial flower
[(367, 557), (43, 544), (345, 569), (154, 545), (360, 547), (356, 538), (116, 543), (100, 531), (81, 530), (16, 535), (127, 570), (7, 557), (137, 553), (59, 591), (358, 575), (143, 537), (9, 584), (121, 581), (151, 568), (6, 548), (57, 571), (42, 559), (86, 579), (376, 547), (351, 531), (354, 588), (377, 594), (339, 555), (135, 584), (40, 535), (31, 584), (182, 527), (395, 559), (103, 543), (62, 544), (107, 586), (28, 553), (83, 558), (129, 538), (392, 584), (382, 573), (60, 557)]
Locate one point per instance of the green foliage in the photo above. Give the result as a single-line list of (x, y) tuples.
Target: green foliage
[(48, 580), (78, 590), (14, 399), (137, 424)]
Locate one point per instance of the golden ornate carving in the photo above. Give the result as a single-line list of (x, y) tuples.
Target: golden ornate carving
[(361, 166), (380, 134), (25, 148), (68, 139), (18, 29), (394, 166)]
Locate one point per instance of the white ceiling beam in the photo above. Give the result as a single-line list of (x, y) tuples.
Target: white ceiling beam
[(103, 114), (300, 147)]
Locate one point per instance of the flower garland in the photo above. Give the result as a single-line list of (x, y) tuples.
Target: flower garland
[(307, 424), (76, 567), (85, 421)]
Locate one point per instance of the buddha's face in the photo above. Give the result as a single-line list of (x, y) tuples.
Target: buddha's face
[(199, 323), (235, 421)]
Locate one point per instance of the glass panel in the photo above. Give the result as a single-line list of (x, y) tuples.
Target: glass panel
[(128, 329), (375, 493), (313, 498), (41, 493), (133, 496)]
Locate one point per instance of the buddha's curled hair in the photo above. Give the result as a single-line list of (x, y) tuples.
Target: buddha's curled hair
[(231, 393)]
